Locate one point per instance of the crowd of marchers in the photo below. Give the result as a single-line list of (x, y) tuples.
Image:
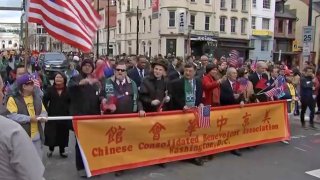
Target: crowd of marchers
[(137, 85)]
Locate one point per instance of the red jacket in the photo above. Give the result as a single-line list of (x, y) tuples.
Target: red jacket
[(211, 91)]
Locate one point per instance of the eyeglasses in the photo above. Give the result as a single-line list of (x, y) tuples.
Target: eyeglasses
[(122, 70), (245, 72)]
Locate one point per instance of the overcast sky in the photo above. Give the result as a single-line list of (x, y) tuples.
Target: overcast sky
[(10, 16)]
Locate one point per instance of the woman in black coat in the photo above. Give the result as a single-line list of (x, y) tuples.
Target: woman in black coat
[(57, 102)]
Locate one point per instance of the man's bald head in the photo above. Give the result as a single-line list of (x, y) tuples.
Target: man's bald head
[(204, 60), (261, 67), (232, 74)]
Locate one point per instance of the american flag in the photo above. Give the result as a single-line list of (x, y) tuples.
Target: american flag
[(234, 58), (36, 82), (275, 92), (254, 65), (204, 116), (280, 81), (74, 22)]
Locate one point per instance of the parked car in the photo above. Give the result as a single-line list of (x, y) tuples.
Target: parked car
[(51, 62)]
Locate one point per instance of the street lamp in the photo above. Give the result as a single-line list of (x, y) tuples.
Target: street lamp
[(190, 27)]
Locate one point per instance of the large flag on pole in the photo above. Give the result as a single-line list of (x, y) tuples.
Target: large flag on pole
[(74, 22)]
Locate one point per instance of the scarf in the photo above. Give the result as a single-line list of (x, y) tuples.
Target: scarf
[(190, 92), (59, 86)]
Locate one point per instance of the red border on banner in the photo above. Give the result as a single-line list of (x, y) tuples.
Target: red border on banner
[(134, 115), (181, 157)]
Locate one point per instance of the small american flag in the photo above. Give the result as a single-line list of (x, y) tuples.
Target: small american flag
[(234, 58), (275, 92), (204, 117)]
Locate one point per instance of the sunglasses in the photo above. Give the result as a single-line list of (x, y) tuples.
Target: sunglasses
[(122, 70), (246, 72), (30, 83)]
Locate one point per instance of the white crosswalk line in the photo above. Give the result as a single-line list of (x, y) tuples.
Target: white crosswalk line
[(315, 173)]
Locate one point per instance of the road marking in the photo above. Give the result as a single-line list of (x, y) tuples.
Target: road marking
[(306, 146), (300, 149), (298, 137), (315, 173), (317, 134)]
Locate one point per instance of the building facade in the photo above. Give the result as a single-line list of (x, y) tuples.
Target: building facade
[(182, 28), (232, 22), (301, 7), (284, 37), (9, 36), (261, 31)]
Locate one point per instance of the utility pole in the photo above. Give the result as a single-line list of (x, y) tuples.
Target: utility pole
[(108, 30), (310, 13), (137, 43), (98, 1)]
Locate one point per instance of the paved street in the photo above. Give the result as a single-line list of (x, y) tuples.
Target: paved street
[(276, 161)]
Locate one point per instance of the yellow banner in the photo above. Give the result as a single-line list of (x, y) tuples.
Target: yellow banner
[(117, 142)]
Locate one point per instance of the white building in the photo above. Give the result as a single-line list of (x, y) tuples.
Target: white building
[(182, 27), (9, 36), (164, 30), (262, 25)]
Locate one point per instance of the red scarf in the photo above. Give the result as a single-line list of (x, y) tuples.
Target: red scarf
[(59, 87)]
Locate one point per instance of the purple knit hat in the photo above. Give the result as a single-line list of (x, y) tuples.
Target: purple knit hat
[(24, 79)]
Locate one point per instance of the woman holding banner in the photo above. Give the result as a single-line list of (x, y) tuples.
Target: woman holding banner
[(57, 102)]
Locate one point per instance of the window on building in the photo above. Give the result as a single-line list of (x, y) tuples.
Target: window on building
[(254, 3), (10, 42), (192, 20), (119, 3), (233, 24), (172, 18), (129, 20), (265, 23), (207, 23), (244, 26), (253, 22), (223, 4), (128, 5), (252, 43), (264, 45), (233, 4), (144, 24), (266, 4), (223, 24), (150, 23), (290, 27), (207, 1), (144, 3), (119, 26), (280, 26), (244, 5), (193, 1)]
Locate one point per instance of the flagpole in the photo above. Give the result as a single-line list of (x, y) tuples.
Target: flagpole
[(26, 51)]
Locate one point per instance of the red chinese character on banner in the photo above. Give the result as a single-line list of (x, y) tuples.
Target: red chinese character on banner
[(266, 117), (222, 122), (156, 129), (115, 134), (246, 119), (193, 124)]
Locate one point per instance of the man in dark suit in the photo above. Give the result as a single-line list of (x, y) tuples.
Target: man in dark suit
[(229, 90), (187, 93), (140, 71), (256, 77)]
